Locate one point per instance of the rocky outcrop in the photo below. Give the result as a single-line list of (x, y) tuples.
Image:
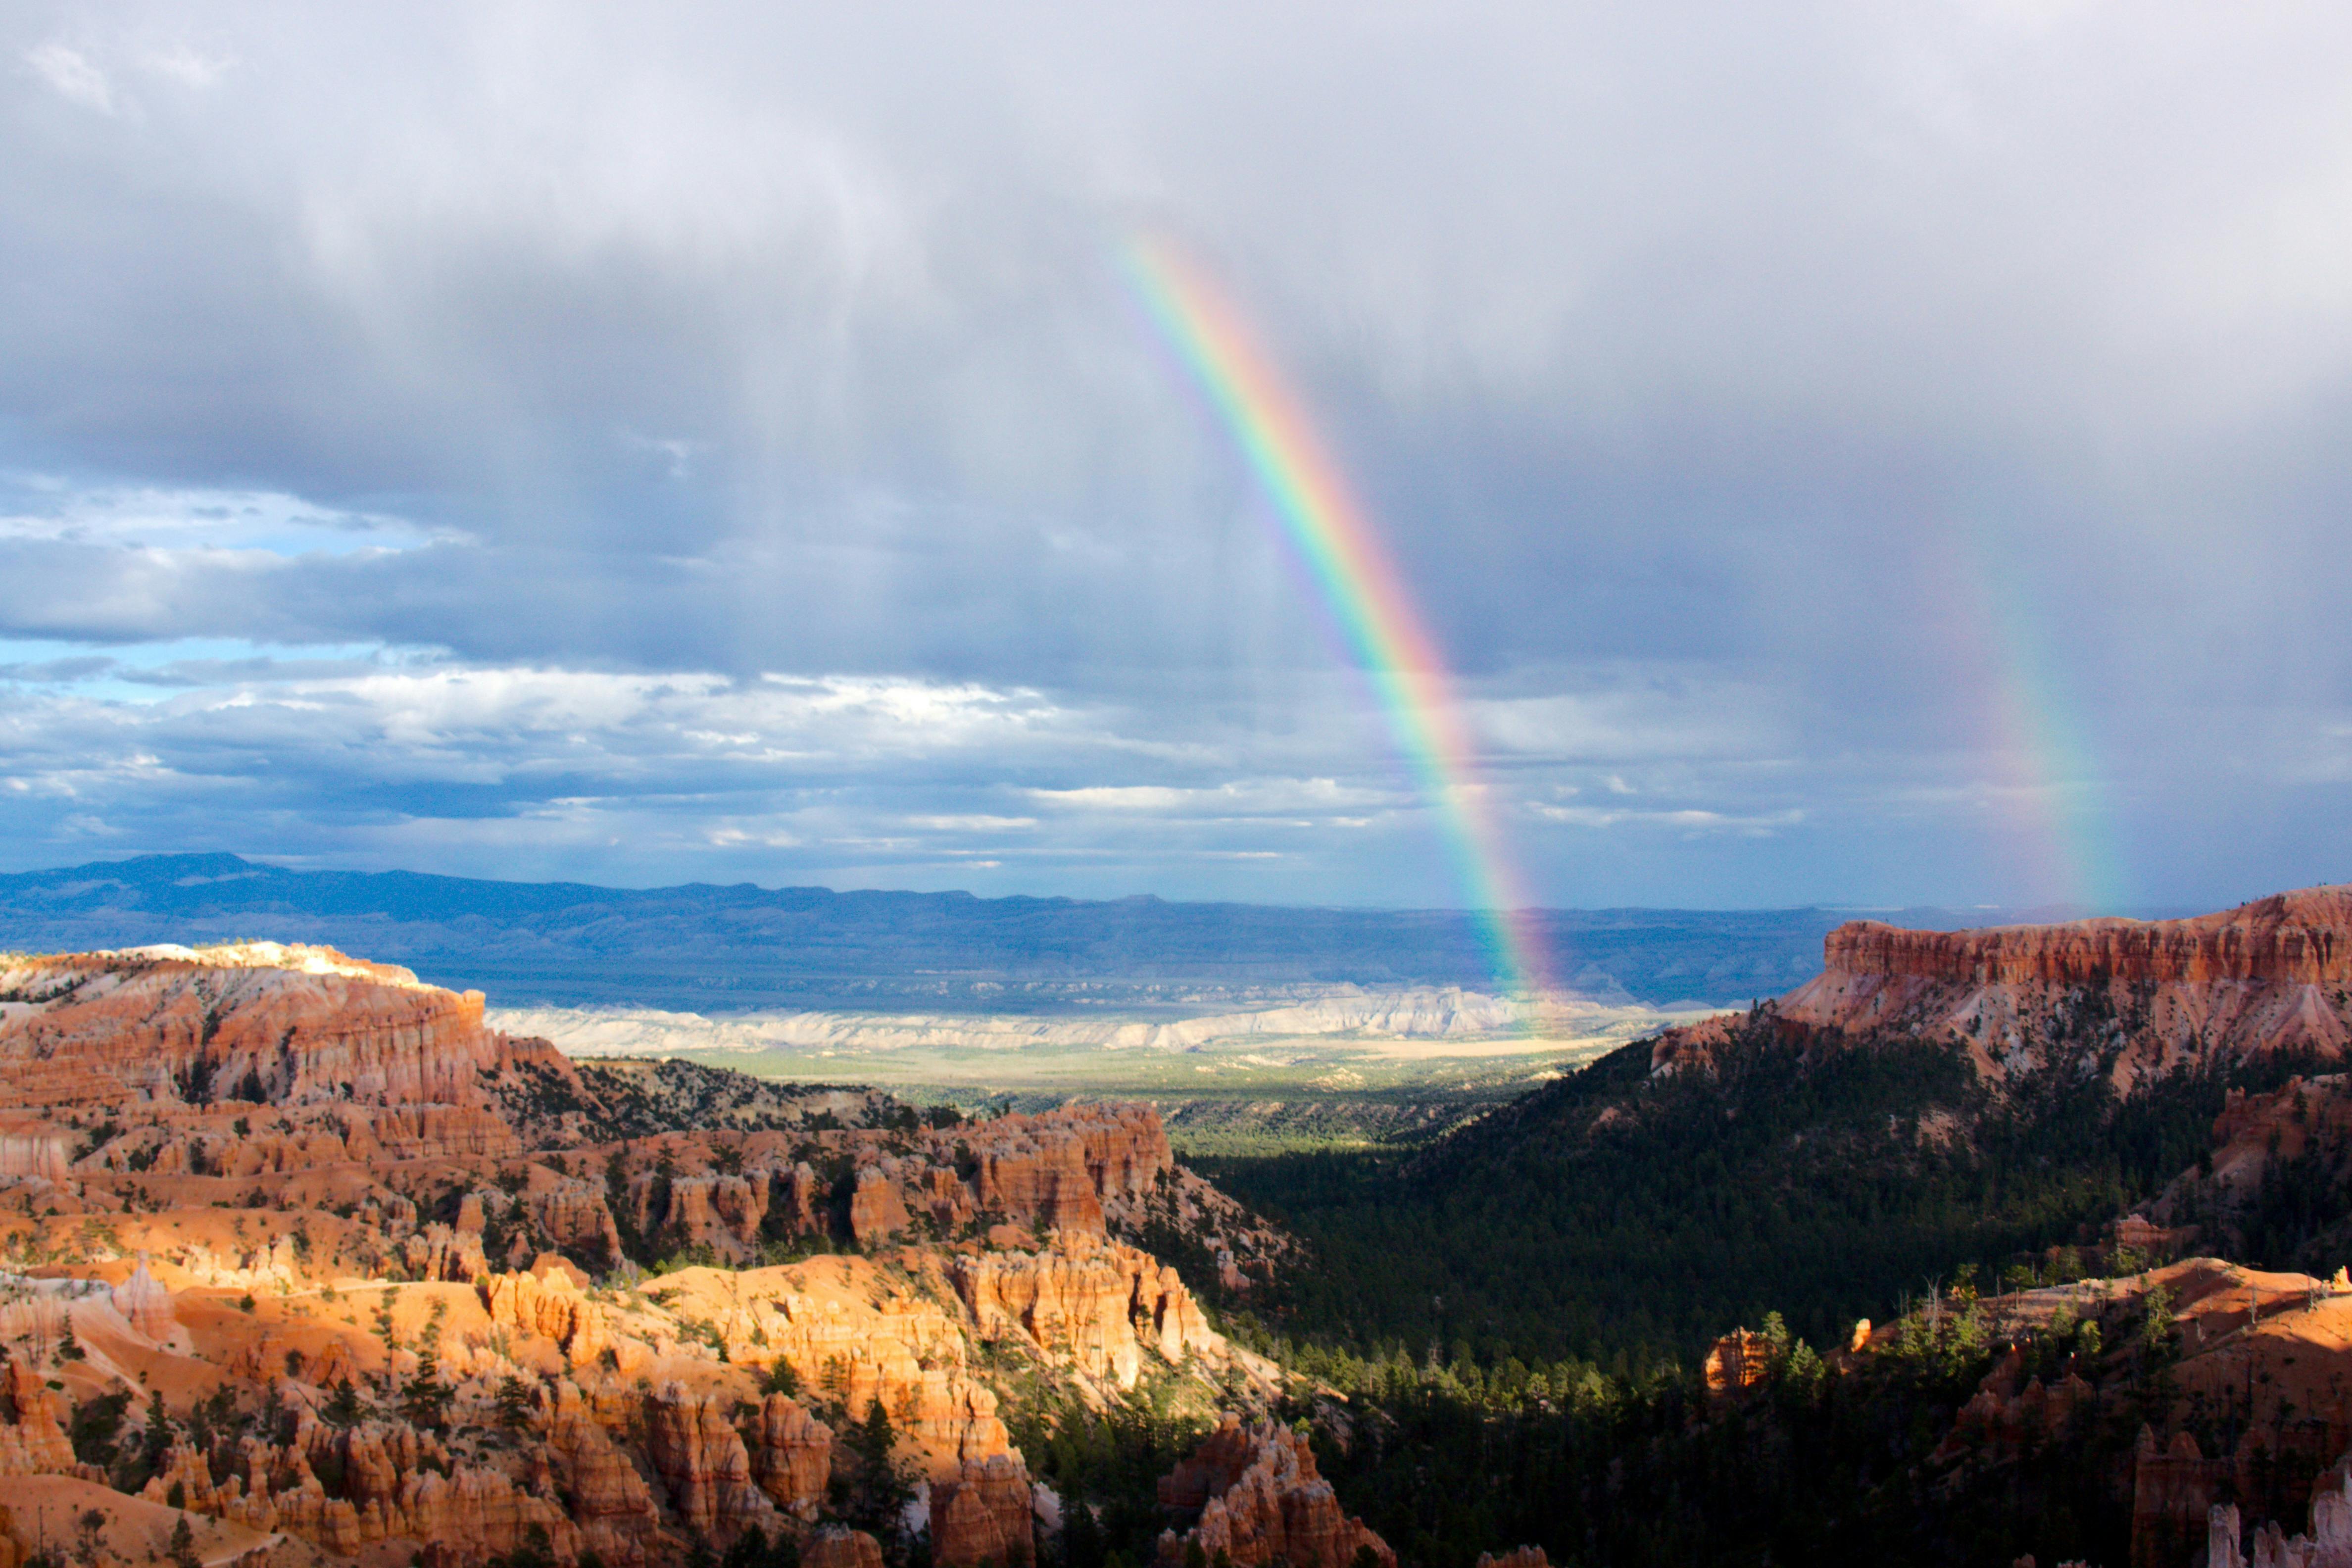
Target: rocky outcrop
[(574, 1214), (393, 1482), (2326, 1544), (259, 1022), (33, 1441), (841, 1549), (145, 1305), (1076, 1169), (2174, 1487), (1737, 1361), (2139, 997), (1260, 1497), (1518, 1557), (546, 1304), (795, 1459), (1071, 1166), (437, 1252), (610, 1501), (2302, 938), (289, 1134), (1099, 1305), (2222, 1532), (701, 1457), (44, 1155), (877, 1211), (2012, 1414), (984, 1514)]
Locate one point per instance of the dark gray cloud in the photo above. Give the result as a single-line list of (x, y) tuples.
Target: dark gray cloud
[(1887, 454)]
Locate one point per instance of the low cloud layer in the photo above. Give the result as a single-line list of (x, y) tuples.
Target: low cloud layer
[(1863, 454)]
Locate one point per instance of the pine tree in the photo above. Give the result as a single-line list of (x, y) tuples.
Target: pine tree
[(872, 1490), (513, 1403), (156, 1441), (426, 1398), (342, 1409)]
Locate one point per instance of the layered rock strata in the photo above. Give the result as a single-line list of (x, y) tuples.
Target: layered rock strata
[(256, 1022), (2138, 998)]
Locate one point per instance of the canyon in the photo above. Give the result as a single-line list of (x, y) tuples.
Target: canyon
[(305, 1260), (295, 1244)]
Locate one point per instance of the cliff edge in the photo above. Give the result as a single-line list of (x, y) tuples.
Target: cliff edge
[(2141, 997)]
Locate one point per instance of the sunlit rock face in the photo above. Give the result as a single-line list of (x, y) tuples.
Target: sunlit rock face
[(2138, 997), (396, 1259), (1260, 1499)]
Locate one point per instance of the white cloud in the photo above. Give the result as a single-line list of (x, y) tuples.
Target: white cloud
[(1281, 797), (188, 67), (1618, 714), (72, 76), (191, 520), (1688, 819), (737, 838)]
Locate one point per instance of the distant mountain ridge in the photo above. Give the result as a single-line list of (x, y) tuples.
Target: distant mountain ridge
[(710, 948)]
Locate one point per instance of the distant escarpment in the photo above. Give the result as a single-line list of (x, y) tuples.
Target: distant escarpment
[(2139, 998), (255, 1021)]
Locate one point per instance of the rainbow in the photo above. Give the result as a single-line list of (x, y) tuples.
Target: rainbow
[(2046, 779), (1342, 553)]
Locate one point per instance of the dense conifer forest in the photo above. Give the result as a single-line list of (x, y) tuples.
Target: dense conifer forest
[(1506, 1326), (1627, 1221)]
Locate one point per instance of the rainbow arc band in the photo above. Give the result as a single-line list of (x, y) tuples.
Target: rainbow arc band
[(1359, 583)]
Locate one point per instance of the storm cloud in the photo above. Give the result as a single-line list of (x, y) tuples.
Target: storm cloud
[(1849, 452)]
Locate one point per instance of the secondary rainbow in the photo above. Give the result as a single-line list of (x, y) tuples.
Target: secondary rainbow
[(2046, 775), (1357, 580)]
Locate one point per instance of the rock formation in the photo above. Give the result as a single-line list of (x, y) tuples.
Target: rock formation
[(1099, 1305), (33, 1441), (1737, 1361), (1518, 1557), (840, 1548), (1260, 1497), (409, 1252), (256, 1022), (984, 1514), (2326, 1544), (795, 1459), (146, 1306), (546, 1304), (698, 1455), (610, 1501), (2141, 997)]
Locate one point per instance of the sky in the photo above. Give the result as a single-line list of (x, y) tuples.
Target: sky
[(1864, 454)]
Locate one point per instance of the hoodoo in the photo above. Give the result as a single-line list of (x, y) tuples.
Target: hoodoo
[(361, 1271)]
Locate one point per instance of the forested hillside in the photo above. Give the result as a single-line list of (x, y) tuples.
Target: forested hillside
[(1628, 1220)]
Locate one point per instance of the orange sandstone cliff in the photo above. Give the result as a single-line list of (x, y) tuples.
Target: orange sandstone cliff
[(2139, 997)]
